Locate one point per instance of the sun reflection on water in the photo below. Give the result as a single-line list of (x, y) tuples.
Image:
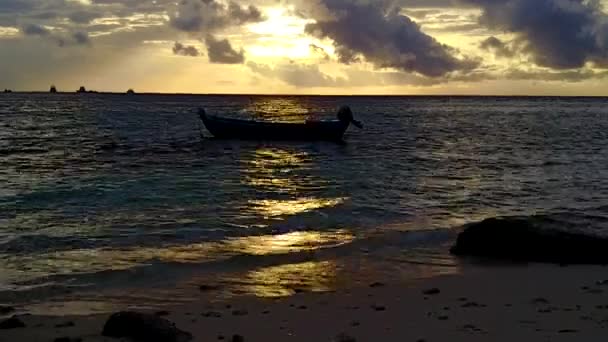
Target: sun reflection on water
[(280, 281), (95, 260), (273, 171), (278, 109), (274, 208)]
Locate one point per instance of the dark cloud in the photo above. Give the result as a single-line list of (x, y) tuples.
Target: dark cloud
[(559, 34), (9, 6), (75, 38), (81, 38), (221, 51), (378, 32), (498, 47), (241, 15), (210, 15), (185, 50), (35, 30)]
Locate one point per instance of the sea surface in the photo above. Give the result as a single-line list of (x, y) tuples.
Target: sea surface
[(102, 195)]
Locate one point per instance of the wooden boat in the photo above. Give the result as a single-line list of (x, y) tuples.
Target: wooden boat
[(328, 130)]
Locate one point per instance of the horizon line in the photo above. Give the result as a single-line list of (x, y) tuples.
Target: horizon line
[(93, 92)]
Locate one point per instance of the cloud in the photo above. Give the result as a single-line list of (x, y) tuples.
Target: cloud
[(319, 51), (185, 50), (384, 37), (559, 34), (75, 38), (211, 15), (83, 17), (35, 30), (559, 76), (221, 51), (498, 47), (81, 38), (298, 75)]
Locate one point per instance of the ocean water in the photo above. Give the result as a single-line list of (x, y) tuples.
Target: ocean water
[(102, 193)]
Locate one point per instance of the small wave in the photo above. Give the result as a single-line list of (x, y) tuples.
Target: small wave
[(22, 151)]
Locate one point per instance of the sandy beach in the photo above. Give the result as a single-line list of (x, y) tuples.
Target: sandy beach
[(534, 302)]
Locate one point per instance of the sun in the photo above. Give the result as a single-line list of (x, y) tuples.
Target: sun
[(281, 35)]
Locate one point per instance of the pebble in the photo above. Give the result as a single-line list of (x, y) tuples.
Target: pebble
[(431, 292)]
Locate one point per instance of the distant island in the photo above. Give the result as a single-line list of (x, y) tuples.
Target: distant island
[(53, 89), (8, 91), (130, 92), (82, 89)]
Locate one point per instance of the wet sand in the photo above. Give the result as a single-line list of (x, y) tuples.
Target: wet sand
[(484, 303)]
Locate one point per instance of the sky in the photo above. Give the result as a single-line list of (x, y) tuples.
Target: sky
[(395, 47)]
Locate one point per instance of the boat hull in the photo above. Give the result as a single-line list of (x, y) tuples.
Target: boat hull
[(224, 128)]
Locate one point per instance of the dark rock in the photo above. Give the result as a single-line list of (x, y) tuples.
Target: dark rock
[(65, 324), (473, 305), (143, 327), (265, 312), (302, 307), (355, 323), (528, 239), (378, 307), (238, 338), (567, 331), (162, 313), (540, 300), (376, 284), (239, 312), (6, 309), (601, 283), (12, 323), (68, 339), (212, 314), (432, 292), (471, 328), (343, 337), (220, 337), (443, 318)]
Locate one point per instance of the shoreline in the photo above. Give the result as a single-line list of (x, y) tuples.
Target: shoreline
[(486, 302)]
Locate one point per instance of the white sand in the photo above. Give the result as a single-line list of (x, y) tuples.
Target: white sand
[(483, 304)]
